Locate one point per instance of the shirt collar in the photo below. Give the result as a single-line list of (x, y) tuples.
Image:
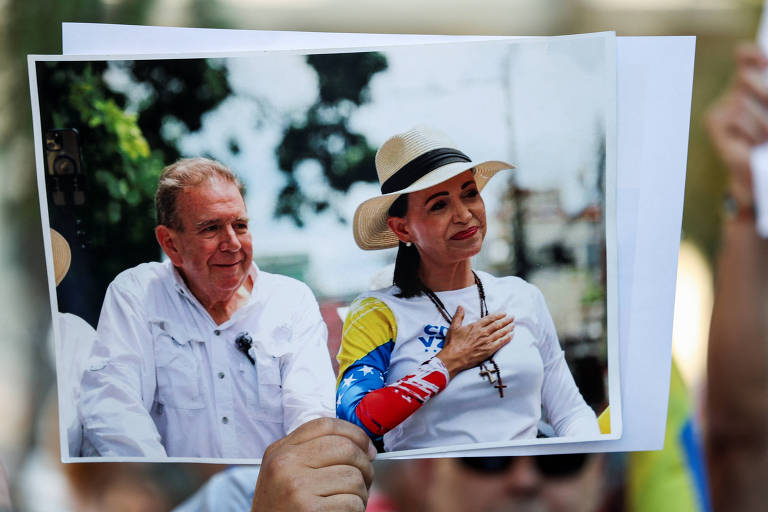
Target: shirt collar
[(180, 287)]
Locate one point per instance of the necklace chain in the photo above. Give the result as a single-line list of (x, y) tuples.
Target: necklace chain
[(493, 375)]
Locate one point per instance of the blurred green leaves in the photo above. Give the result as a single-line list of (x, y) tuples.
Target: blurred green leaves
[(123, 149), (88, 97)]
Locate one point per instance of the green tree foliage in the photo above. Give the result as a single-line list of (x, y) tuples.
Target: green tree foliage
[(123, 149), (324, 136)]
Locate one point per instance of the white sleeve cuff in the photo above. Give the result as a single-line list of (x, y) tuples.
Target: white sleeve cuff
[(436, 363)]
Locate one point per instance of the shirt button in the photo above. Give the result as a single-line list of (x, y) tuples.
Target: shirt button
[(217, 332), (225, 420), (221, 375)]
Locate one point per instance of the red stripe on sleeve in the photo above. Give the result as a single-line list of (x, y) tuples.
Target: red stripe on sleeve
[(385, 408)]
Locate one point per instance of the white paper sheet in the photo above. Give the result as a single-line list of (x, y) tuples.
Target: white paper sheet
[(102, 39), (759, 157), (654, 81)]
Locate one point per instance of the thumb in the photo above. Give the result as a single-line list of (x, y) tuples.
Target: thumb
[(458, 318)]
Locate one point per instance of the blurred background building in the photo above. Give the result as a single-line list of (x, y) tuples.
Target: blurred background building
[(33, 26)]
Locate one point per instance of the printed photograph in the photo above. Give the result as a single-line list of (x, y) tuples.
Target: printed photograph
[(419, 240)]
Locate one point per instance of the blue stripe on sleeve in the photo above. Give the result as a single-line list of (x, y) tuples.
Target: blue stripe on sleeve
[(361, 377)]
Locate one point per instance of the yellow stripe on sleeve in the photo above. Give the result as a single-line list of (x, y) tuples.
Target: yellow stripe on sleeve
[(369, 325)]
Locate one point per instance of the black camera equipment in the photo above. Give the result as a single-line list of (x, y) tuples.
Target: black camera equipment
[(65, 177)]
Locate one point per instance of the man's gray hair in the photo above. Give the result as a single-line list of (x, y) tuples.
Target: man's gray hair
[(183, 174)]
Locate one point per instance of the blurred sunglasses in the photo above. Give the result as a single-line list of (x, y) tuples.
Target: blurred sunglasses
[(551, 466)]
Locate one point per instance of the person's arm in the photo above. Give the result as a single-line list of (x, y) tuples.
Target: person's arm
[(367, 342), (736, 429), (368, 338), (118, 383), (308, 381), (562, 403)]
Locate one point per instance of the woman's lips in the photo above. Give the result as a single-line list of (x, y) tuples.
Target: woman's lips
[(467, 233)]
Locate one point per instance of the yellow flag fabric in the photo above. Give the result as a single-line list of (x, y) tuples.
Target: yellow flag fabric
[(672, 479), (604, 421)]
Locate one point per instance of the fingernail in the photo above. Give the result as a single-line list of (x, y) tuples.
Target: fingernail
[(371, 450)]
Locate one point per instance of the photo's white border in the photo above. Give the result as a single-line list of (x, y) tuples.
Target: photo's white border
[(611, 246), (47, 246), (614, 391), (438, 451)]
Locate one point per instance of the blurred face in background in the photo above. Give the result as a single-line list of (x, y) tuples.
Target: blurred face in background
[(557, 483)]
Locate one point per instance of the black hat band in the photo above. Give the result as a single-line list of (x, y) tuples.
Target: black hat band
[(420, 167)]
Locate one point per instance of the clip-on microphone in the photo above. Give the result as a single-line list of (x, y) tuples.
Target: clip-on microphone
[(244, 343)]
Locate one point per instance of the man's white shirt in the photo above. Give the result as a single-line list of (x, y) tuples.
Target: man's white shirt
[(164, 379), (75, 343)]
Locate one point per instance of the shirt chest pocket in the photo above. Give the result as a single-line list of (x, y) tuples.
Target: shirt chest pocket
[(177, 370), (264, 388)]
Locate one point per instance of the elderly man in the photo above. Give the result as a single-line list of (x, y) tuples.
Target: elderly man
[(203, 355)]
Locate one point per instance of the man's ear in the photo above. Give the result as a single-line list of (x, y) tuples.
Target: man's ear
[(399, 228), (167, 240)]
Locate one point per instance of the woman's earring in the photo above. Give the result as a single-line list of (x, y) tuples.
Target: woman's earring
[(407, 244)]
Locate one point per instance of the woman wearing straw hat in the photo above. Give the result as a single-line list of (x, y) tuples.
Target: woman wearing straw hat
[(76, 337), (482, 350)]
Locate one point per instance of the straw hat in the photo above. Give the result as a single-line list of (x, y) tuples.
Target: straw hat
[(62, 256), (417, 159)]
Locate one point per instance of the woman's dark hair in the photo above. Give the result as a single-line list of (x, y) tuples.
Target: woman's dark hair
[(407, 262)]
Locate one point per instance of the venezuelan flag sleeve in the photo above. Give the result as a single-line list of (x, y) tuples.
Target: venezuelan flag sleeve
[(367, 341)]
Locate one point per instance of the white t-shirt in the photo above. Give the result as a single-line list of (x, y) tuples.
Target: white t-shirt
[(76, 337), (469, 409)]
